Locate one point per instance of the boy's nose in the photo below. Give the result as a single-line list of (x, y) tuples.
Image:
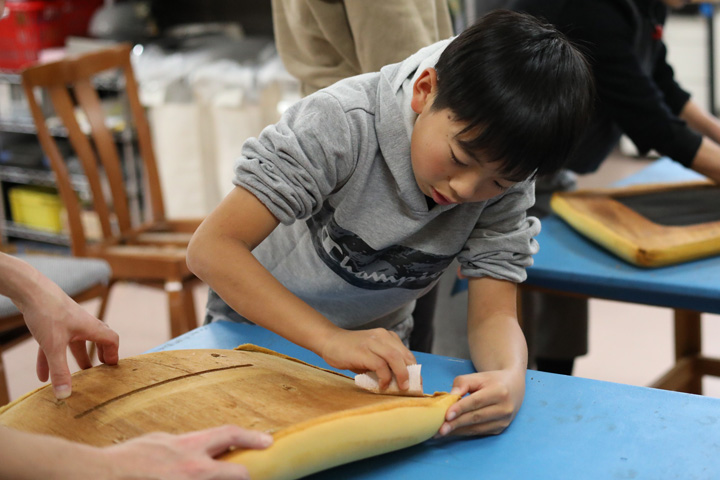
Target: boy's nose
[(466, 187)]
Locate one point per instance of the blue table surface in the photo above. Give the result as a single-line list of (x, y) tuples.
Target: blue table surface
[(569, 262), (568, 427)]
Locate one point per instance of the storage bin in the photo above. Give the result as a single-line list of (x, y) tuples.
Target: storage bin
[(29, 28), (35, 25), (36, 207)]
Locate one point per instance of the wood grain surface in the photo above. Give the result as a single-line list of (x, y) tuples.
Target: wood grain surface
[(317, 417)]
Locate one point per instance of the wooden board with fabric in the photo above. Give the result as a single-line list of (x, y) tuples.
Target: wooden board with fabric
[(635, 432), (647, 225), (318, 418)]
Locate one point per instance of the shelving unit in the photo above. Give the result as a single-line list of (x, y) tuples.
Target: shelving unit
[(12, 229), (13, 175)]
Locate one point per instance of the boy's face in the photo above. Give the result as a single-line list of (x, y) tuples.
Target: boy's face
[(443, 170)]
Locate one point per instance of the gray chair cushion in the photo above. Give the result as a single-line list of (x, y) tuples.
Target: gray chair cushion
[(72, 274)]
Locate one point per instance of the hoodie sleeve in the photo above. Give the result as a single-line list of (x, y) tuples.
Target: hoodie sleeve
[(502, 244), (293, 165)]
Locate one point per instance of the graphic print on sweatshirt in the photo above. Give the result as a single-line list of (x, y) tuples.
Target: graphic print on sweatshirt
[(345, 253)]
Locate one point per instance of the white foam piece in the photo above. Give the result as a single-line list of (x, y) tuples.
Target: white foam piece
[(369, 381)]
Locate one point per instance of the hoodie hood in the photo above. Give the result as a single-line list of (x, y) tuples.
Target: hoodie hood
[(395, 119), (399, 78)]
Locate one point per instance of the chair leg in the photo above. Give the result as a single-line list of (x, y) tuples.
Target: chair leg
[(104, 302), (182, 307), (191, 321), (688, 344), (4, 393)]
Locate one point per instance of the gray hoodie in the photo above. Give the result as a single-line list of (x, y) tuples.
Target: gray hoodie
[(357, 241)]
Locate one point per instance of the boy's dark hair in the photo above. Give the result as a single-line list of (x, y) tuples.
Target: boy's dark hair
[(524, 91)]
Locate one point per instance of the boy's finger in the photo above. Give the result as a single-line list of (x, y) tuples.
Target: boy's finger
[(383, 373), (408, 355), (467, 403), (410, 358), (489, 428), (485, 419), (394, 364), (399, 369)]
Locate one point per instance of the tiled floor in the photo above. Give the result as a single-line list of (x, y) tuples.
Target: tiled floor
[(628, 343)]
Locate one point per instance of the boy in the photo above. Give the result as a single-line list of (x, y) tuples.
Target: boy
[(392, 175)]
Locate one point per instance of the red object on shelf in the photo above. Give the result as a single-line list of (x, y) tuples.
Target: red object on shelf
[(77, 15), (30, 27), (35, 25)]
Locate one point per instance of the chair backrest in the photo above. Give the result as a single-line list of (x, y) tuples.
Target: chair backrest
[(70, 85)]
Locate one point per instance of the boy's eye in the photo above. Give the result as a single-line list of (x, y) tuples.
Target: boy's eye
[(455, 160), (501, 186)]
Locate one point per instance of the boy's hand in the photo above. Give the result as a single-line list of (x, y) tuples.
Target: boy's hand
[(377, 350), (494, 400)]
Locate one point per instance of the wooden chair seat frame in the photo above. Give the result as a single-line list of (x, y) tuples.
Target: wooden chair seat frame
[(599, 215)]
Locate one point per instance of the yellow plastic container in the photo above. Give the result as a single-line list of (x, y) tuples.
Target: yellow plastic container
[(36, 207)]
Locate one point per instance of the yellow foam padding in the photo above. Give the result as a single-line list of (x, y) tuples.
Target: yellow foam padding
[(631, 236), (318, 418), (596, 230)]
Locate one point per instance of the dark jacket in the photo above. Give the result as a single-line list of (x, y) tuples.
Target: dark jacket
[(637, 92)]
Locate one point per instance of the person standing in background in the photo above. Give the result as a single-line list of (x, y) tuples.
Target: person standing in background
[(637, 95), (323, 41)]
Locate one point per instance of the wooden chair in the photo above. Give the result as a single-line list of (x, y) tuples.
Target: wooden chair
[(81, 278), (150, 250)]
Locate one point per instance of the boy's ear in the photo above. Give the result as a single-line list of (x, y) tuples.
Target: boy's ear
[(424, 90)]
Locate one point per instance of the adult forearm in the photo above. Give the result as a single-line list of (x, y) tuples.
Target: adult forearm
[(19, 280), (61, 459), (707, 160), (701, 121)]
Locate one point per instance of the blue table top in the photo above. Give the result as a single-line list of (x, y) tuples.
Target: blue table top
[(569, 262), (568, 427)]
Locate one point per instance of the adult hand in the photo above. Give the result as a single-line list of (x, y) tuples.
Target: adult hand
[(162, 456), (58, 322), (377, 350), (156, 456), (494, 400)]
